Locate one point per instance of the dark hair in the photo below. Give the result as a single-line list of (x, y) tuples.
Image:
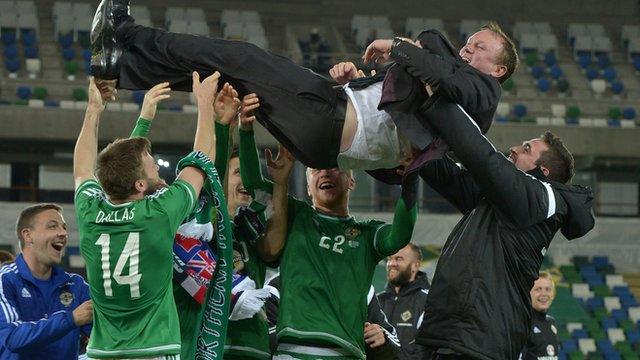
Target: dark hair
[(120, 165), (235, 152), (417, 251), (6, 257), (509, 55), (25, 219), (557, 159)]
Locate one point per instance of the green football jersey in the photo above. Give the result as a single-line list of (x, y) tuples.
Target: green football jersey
[(325, 274), (128, 250)]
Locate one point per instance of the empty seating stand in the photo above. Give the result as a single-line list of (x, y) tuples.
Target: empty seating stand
[(244, 25)]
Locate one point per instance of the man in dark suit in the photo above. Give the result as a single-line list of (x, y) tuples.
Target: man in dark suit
[(316, 122)]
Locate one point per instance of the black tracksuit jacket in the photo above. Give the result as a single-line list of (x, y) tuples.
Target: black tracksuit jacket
[(543, 343), (479, 304), (405, 311)]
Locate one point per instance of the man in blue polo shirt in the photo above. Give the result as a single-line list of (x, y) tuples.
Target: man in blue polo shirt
[(43, 309)]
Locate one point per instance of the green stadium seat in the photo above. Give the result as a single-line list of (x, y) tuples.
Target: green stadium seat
[(79, 94), (576, 355), (602, 291), (615, 113), (563, 334), (630, 356), (532, 58), (596, 355), (508, 85), (601, 314), (562, 86), (573, 112), (21, 102), (71, 68), (627, 324), (39, 93)]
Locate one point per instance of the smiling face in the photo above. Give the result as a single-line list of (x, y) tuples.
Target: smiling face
[(542, 294), (329, 189), (402, 267), (46, 238), (525, 156), (237, 195), (482, 51)]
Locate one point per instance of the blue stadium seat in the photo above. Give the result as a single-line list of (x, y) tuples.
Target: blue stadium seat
[(68, 54), (603, 60), (604, 345), (600, 261), (174, 107), (11, 52), (628, 301), (501, 119), (544, 85), (611, 355), (592, 74), (12, 65), (619, 314), (609, 323), (584, 60), (595, 303), (550, 58), (636, 63), (609, 74), (23, 92), (65, 40), (572, 121), (8, 38), (621, 291), (614, 122), (569, 346), (138, 96), (86, 54), (52, 103), (556, 72), (579, 334), (519, 110), (633, 336), (31, 52), (29, 38), (87, 67), (617, 87), (629, 113), (537, 72)]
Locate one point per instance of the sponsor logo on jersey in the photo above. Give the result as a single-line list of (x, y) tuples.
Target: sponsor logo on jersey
[(406, 315), (66, 298), (536, 330), (353, 244), (551, 350), (25, 293), (553, 328)]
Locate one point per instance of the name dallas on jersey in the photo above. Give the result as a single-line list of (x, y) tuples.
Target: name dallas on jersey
[(115, 216)]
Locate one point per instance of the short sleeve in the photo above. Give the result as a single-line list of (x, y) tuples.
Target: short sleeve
[(88, 192), (177, 201)]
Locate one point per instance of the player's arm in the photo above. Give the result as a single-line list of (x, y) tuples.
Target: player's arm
[(86, 149), (204, 141), (149, 108), (23, 336), (226, 108), (521, 199), (453, 183), (272, 243), (250, 170)]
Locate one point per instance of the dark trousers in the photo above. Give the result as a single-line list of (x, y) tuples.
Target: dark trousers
[(297, 106)]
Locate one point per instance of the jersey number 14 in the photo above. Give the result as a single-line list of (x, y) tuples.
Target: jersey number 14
[(130, 252)]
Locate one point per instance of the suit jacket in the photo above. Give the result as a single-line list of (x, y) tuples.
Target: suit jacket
[(404, 96)]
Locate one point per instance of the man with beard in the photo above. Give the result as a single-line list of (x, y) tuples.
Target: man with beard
[(404, 299), (127, 230), (543, 343)]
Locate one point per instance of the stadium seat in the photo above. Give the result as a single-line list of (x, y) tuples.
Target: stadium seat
[(584, 60), (634, 314), (547, 43), (629, 113), (595, 303), (11, 52), (609, 323), (612, 303), (558, 110), (562, 86), (556, 72), (503, 109), (31, 53), (40, 93), (33, 67), (12, 67), (138, 96), (598, 86), (71, 69), (23, 92), (579, 334), (617, 87), (592, 74), (509, 85), (609, 74), (8, 37), (581, 291), (615, 335), (544, 85), (537, 72), (603, 60), (614, 280), (586, 345), (550, 59), (29, 38), (569, 345), (557, 121), (619, 315), (79, 94), (519, 110)]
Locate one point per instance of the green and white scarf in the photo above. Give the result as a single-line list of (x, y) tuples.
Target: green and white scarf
[(212, 327)]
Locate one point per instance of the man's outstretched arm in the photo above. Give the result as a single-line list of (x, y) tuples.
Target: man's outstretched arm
[(86, 149), (520, 198), (204, 141), (149, 107)]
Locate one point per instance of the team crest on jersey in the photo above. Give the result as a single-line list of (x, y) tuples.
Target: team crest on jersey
[(406, 316), (351, 233), (553, 328), (551, 351), (66, 298), (353, 244)]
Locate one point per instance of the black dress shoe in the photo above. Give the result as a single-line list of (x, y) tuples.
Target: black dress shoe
[(105, 51)]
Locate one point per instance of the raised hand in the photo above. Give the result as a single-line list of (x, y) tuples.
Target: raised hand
[(378, 51), (205, 91), (344, 72), (107, 89), (152, 98), (226, 104), (247, 113), (280, 167), (95, 100)]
